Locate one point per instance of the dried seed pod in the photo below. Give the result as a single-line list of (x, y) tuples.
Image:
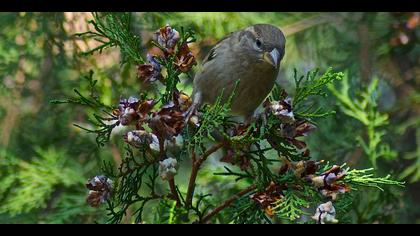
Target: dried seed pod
[(167, 38), (150, 72), (168, 168), (325, 213), (100, 190)]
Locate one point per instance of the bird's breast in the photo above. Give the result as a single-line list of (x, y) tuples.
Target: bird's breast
[(255, 80), (253, 88)]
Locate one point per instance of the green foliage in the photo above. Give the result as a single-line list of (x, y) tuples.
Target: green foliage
[(371, 206), (309, 86), (71, 208), (344, 206), (172, 78), (43, 162), (93, 101), (165, 212), (291, 207), (365, 178), (213, 118), (414, 169), (133, 176), (168, 213), (105, 124), (32, 185), (364, 109), (305, 106), (111, 30), (244, 211)]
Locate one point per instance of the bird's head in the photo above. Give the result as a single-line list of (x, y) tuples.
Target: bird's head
[(266, 43)]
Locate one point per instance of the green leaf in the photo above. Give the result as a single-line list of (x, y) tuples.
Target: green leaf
[(291, 206)]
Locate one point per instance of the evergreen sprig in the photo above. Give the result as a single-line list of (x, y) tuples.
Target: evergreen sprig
[(31, 184), (133, 175), (309, 86), (365, 109), (172, 79), (111, 30), (291, 206), (105, 124), (244, 211), (212, 120), (365, 177)]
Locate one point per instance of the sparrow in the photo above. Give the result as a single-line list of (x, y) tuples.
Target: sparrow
[(248, 58)]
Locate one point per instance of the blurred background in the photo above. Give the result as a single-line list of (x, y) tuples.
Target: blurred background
[(45, 160)]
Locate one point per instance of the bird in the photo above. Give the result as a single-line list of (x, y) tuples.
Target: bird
[(248, 59)]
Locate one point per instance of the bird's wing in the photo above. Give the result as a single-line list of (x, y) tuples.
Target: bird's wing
[(213, 52)]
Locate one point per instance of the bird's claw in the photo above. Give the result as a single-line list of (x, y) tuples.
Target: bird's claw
[(189, 114)]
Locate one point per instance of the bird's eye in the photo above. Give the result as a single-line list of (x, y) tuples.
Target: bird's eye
[(258, 43)]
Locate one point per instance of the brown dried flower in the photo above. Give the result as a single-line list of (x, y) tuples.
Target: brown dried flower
[(126, 111), (144, 109), (271, 194), (305, 168), (296, 129), (167, 38), (150, 72), (281, 109), (185, 59), (167, 122), (138, 138), (327, 182), (182, 101), (100, 190), (132, 109)]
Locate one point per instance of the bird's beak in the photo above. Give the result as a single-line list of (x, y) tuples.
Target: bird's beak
[(272, 57)]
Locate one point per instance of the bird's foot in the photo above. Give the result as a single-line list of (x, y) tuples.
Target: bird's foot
[(191, 115)]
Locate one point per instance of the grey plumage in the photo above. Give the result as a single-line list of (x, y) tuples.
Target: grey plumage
[(251, 55)]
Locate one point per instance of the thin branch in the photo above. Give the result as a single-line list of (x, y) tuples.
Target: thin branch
[(195, 167), (174, 192), (172, 185), (193, 156), (227, 203), (210, 151), (161, 148)]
